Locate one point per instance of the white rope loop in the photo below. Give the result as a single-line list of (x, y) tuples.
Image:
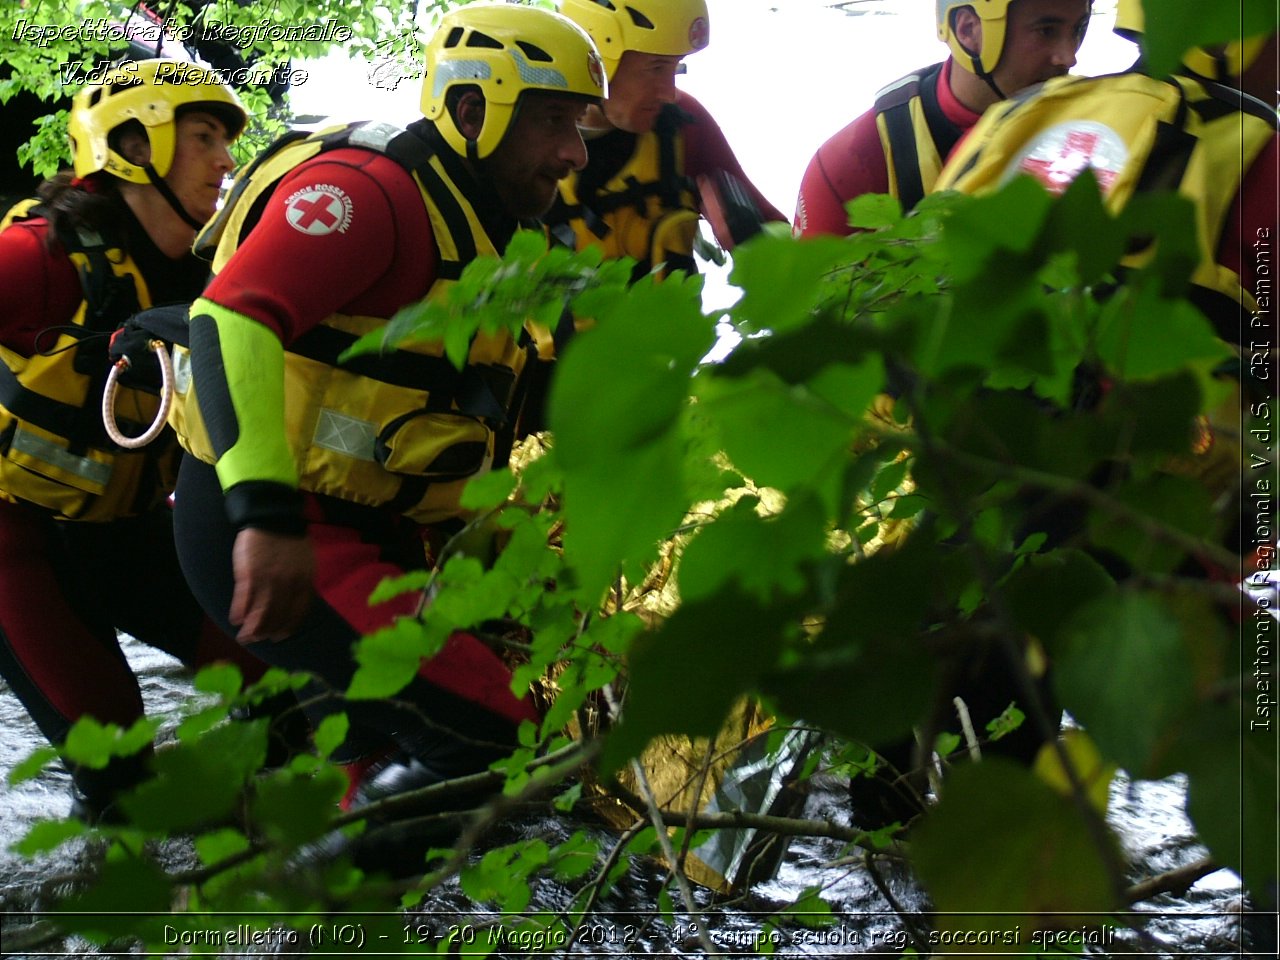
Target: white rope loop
[(166, 399)]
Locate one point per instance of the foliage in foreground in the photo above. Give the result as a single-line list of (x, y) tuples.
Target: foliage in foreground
[(850, 558)]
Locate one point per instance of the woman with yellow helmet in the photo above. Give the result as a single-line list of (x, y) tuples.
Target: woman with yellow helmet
[(86, 543)]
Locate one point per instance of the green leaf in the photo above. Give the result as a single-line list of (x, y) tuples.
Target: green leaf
[(790, 355), (32, 766), (645, 346), (616, 518), (1177, 503), (198, 723), (780, 436), (1044, 593), (568, 799), (809, 910), (46, 835), (761, 556), (123, 889), (889, 479), (489, 490), (906, 507), (874, 210), (198, 782), (218, 845), (1008, 721), (1078, 222), (870, 643), (329, 733), (293, 810), (1144, 336), (1163, 223), (388, 659), (781, 280), (681, 681), (893, 679), (981, 229), (93, 744), (575, 857), (1038, 855), (1121, 670), (221, 679), (388, 588), (945, 744), (1150, 417), (1185, 23), (1231, 792), (849, 387)]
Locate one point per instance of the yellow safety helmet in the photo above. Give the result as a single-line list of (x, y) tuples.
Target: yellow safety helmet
[(1129, 19), (669, 28), (1228, 62), (994, 15), (1223, 64), (150, 92), (504, 50)]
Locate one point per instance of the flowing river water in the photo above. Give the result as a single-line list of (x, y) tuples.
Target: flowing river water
[(1208, 920)]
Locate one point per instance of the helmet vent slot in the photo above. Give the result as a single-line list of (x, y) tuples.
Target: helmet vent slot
[(639, 19), (535, 53), (454, 37), (478, 39)]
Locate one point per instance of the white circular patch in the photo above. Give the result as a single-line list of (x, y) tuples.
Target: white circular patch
[(319, 210), (1060, 154)]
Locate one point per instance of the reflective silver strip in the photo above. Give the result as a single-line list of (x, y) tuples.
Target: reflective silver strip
[(38, 448), (346, 435), (538, 76), (897, 85), (374, 135), (181, 371), (459, 70)]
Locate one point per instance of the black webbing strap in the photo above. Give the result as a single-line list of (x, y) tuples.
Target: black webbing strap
[(895, 108), (944, 133), (60, 419)]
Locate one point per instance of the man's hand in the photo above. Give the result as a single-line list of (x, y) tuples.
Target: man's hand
[(274, 584)]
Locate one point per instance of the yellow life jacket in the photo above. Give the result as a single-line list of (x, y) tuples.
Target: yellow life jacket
[(647, 210), (1137, 134), (1141, 134), (404, 429), (915, 133), (54, 451)]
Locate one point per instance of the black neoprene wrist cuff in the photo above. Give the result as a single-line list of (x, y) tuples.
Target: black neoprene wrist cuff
[(266, 505)]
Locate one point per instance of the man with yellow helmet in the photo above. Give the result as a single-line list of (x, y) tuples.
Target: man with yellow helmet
[(657, 159), (1209, 131), (86, 542), (998, 47), (311, 480)]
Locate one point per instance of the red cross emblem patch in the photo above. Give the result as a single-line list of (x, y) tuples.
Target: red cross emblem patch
[(1060, 154), (319, 210)]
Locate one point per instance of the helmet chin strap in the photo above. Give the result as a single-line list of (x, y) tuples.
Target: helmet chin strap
[(158, 182), (986, 76), (991, 82)]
